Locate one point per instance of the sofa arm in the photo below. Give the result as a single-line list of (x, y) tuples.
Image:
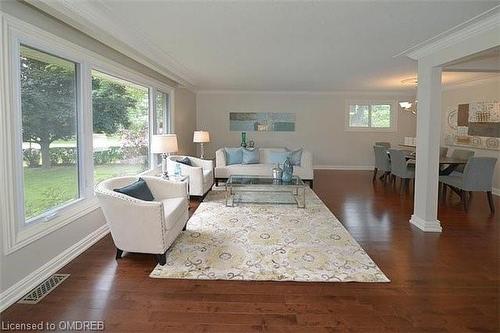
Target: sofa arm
[(220, 158), (306, 160), (165, 189)]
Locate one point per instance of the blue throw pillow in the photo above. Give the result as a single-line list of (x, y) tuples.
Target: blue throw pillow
[(276, 157), (295, 156), (138, 190), (185, 161), (234, 155), (250, 156)]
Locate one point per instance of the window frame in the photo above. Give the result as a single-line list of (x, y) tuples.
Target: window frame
[(16, 232), (370, 103)]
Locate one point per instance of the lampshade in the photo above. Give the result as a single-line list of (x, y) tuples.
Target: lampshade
[(201, 136), (164, 144)]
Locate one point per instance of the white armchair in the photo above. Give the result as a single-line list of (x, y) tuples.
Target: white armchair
[(144, 226), (201, 173)]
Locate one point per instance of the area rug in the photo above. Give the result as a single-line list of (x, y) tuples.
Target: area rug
[(267, 242)]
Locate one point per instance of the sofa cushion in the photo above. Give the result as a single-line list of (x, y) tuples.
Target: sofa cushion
[(250, 156), (295, 156), (233, 155), (138, 190), (173, 209), (278, 157), (185, 161)]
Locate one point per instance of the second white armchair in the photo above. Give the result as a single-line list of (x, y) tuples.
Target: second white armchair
[(200, 172)]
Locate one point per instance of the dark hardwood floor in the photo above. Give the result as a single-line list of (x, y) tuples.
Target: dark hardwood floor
[(446, 282)]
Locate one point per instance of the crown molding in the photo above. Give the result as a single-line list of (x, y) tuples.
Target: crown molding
[(471, 83), (307, 92), (479, 24), (94, 19)]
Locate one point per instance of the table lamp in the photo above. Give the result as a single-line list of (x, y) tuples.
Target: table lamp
[(201, 137), (164, 144)]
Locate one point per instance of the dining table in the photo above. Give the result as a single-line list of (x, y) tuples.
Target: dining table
[(447, 164)]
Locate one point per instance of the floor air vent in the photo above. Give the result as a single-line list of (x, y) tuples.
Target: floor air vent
[(43, 289)]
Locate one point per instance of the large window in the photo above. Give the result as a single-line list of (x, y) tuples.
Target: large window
[(370, 116), (49, 131), (70, 119), (162, 116), (121, 126)]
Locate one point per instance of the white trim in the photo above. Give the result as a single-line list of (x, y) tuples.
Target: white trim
[(478, 24), (18, 290), (344, 167), (31, 233), (407, 93), (97, 20), (495, 191), (471, 83), (427, 226)]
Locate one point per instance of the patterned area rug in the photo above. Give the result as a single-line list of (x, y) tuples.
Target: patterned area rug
[(267, 242)]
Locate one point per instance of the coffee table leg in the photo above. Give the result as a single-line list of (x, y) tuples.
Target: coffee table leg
[(229, 197), (300, 197)]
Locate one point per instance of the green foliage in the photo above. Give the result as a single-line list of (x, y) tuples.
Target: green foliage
[(108, 156), (32, 157), (63, 156), (110, 102), (47, 102)]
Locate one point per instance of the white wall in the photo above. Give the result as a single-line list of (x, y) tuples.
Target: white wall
[(19, 264), (320, 125), (473, 92)]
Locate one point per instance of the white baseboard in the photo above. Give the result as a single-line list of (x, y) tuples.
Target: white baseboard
[(343, 167), (18, 290), (427, 226), (495, 191)]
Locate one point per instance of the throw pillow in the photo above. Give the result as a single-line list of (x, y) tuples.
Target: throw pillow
[(295, 156), (138, 190), (234, 155), (276, 157), (185, 161), (250, 156)]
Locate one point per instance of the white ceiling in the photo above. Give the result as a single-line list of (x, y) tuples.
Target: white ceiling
[(300, 46)]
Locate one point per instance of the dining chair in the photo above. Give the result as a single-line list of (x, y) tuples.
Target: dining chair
[(462, 154), (443, 151), (383, 143), (400, 168), (477, 177), (382, 162)]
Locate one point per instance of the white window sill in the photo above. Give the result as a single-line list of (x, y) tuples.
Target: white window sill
[(31, 233)]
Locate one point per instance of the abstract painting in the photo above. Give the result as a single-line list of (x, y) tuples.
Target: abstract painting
[(475, 125), (262, 122)]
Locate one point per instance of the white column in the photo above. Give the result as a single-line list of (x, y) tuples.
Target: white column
[(428, 140)]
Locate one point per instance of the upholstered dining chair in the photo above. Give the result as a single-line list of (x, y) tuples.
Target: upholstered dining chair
[(477, 177), (443, 151), (462, 154), (400, 167), (383, 143), (144, 226), (382, 162)]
